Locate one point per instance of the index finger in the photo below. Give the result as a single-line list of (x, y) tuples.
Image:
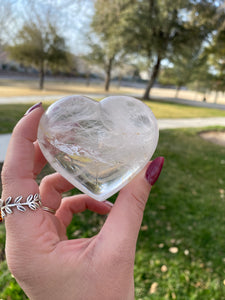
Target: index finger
[(19, 164), (122, 226)]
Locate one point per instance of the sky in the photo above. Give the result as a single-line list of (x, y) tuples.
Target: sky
[(72, 18)]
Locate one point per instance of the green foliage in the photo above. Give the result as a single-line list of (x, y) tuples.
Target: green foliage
[(185, 211), (191, 60), (215, 53), (188, 64), (35, 44), (6, 19), (11, 114), (162, 30), (9, 288), (107, 41), (157, 30), (41, 46)]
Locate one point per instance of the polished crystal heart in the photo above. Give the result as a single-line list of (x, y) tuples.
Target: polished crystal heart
[(98, 146)]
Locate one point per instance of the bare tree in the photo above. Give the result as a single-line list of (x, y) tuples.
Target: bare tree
[(7, 18), (38, 42)]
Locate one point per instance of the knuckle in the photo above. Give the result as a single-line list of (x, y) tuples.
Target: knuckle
[(121, 260), (123, 255), (46, 180), (139, 200)]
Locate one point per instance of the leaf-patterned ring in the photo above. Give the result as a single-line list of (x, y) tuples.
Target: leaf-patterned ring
[(8, 210), (18, 199), (8, 200), (32, 206), (21, 208), (30, 198)]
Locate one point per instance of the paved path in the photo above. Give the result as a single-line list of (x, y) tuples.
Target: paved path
[(163, 124), (185, 123), (4, 141), (190, 102)]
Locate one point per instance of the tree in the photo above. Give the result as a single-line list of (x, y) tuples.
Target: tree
[(210, 72), (39, 46), (159, 29), (38, 41), (215, 54), (185, 64), (156, 27), (7, 18), (7, 30), (100, 56), (107, 49)]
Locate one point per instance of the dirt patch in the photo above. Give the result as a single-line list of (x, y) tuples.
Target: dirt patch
[(216, 137)]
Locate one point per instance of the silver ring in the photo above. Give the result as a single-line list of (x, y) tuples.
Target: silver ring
[(51, 210), (33, 202)]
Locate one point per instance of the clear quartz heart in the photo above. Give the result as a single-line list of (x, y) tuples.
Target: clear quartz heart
[(98, 146)]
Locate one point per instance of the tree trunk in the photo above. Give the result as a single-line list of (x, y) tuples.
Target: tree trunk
[(41, 76), (177, 91), (108, 74), (204, 97), (151, 82)]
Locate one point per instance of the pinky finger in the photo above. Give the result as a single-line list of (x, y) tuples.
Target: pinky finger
[(79, 203)]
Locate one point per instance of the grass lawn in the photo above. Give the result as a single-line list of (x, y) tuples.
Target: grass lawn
[(11, 113), (164, 110), (181, 248)]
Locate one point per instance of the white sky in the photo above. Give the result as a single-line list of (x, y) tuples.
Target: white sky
[(72, 17)]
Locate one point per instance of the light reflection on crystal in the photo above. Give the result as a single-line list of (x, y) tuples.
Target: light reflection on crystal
[(98, 146)]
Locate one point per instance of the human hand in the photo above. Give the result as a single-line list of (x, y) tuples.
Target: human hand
[(44, 262)]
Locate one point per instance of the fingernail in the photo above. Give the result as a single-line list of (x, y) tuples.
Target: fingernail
[(109, 203), (32, 108), (154, 170)]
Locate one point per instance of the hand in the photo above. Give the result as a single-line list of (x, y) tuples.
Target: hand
[(44, 262)]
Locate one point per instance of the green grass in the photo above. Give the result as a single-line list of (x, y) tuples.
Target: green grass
[(186, 210), (11, 113), (166, 110)]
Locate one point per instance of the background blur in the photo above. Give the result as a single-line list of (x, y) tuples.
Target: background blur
[(177, 45)]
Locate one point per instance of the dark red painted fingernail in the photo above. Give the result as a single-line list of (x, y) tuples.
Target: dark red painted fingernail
[(32, 108), (154, 170)]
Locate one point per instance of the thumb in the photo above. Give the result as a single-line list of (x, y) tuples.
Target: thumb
[(124, 221)]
